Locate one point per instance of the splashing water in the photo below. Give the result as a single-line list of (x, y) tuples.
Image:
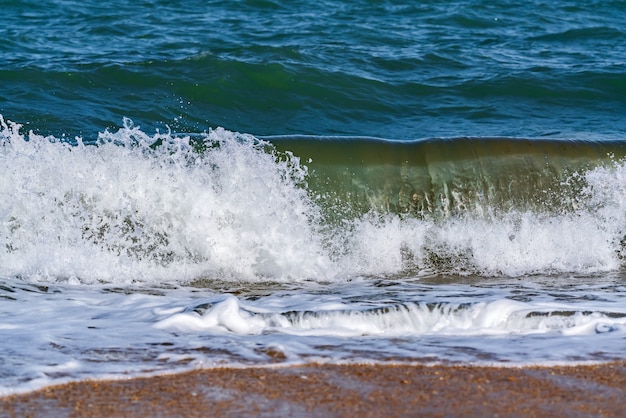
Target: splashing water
[(223, 249), (134, 207), (121, 208)]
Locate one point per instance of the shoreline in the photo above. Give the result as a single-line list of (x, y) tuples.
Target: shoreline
[(318, 390)]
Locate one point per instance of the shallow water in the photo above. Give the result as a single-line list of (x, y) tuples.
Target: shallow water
[(63, 332)]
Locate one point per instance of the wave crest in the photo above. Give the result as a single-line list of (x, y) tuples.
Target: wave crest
[(222, 205)]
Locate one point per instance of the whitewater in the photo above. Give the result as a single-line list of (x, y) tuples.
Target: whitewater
[(142, 253)]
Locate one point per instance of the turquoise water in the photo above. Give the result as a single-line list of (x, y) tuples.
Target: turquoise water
[(206, 184), (366, 68)]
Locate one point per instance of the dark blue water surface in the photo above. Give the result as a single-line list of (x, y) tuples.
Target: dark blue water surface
[(390, 69)]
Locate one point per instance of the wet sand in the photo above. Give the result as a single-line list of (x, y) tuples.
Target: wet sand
[(341, 391)]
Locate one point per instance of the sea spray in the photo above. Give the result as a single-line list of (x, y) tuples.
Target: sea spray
[(124, 208), (166, 208)]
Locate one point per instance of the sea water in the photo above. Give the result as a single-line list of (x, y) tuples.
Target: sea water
[(199, 184)]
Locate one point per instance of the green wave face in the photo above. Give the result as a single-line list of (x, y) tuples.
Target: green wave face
[(444, 177)]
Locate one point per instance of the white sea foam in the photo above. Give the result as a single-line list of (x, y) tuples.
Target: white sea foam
[(122, 211), (125, 211), (516, 244), (64, 332), (497, 317)]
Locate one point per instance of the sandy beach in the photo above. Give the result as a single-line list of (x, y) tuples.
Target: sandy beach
[(341, 390)]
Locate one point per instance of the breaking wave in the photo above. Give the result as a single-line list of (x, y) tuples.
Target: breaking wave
[(171, 208)]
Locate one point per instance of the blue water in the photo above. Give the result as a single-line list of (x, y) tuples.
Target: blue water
[(199, 184), (383, 69)]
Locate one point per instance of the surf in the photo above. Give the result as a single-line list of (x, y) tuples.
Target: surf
[(174, 208)]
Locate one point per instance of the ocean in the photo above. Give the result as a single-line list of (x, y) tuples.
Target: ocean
[(197, 184)]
